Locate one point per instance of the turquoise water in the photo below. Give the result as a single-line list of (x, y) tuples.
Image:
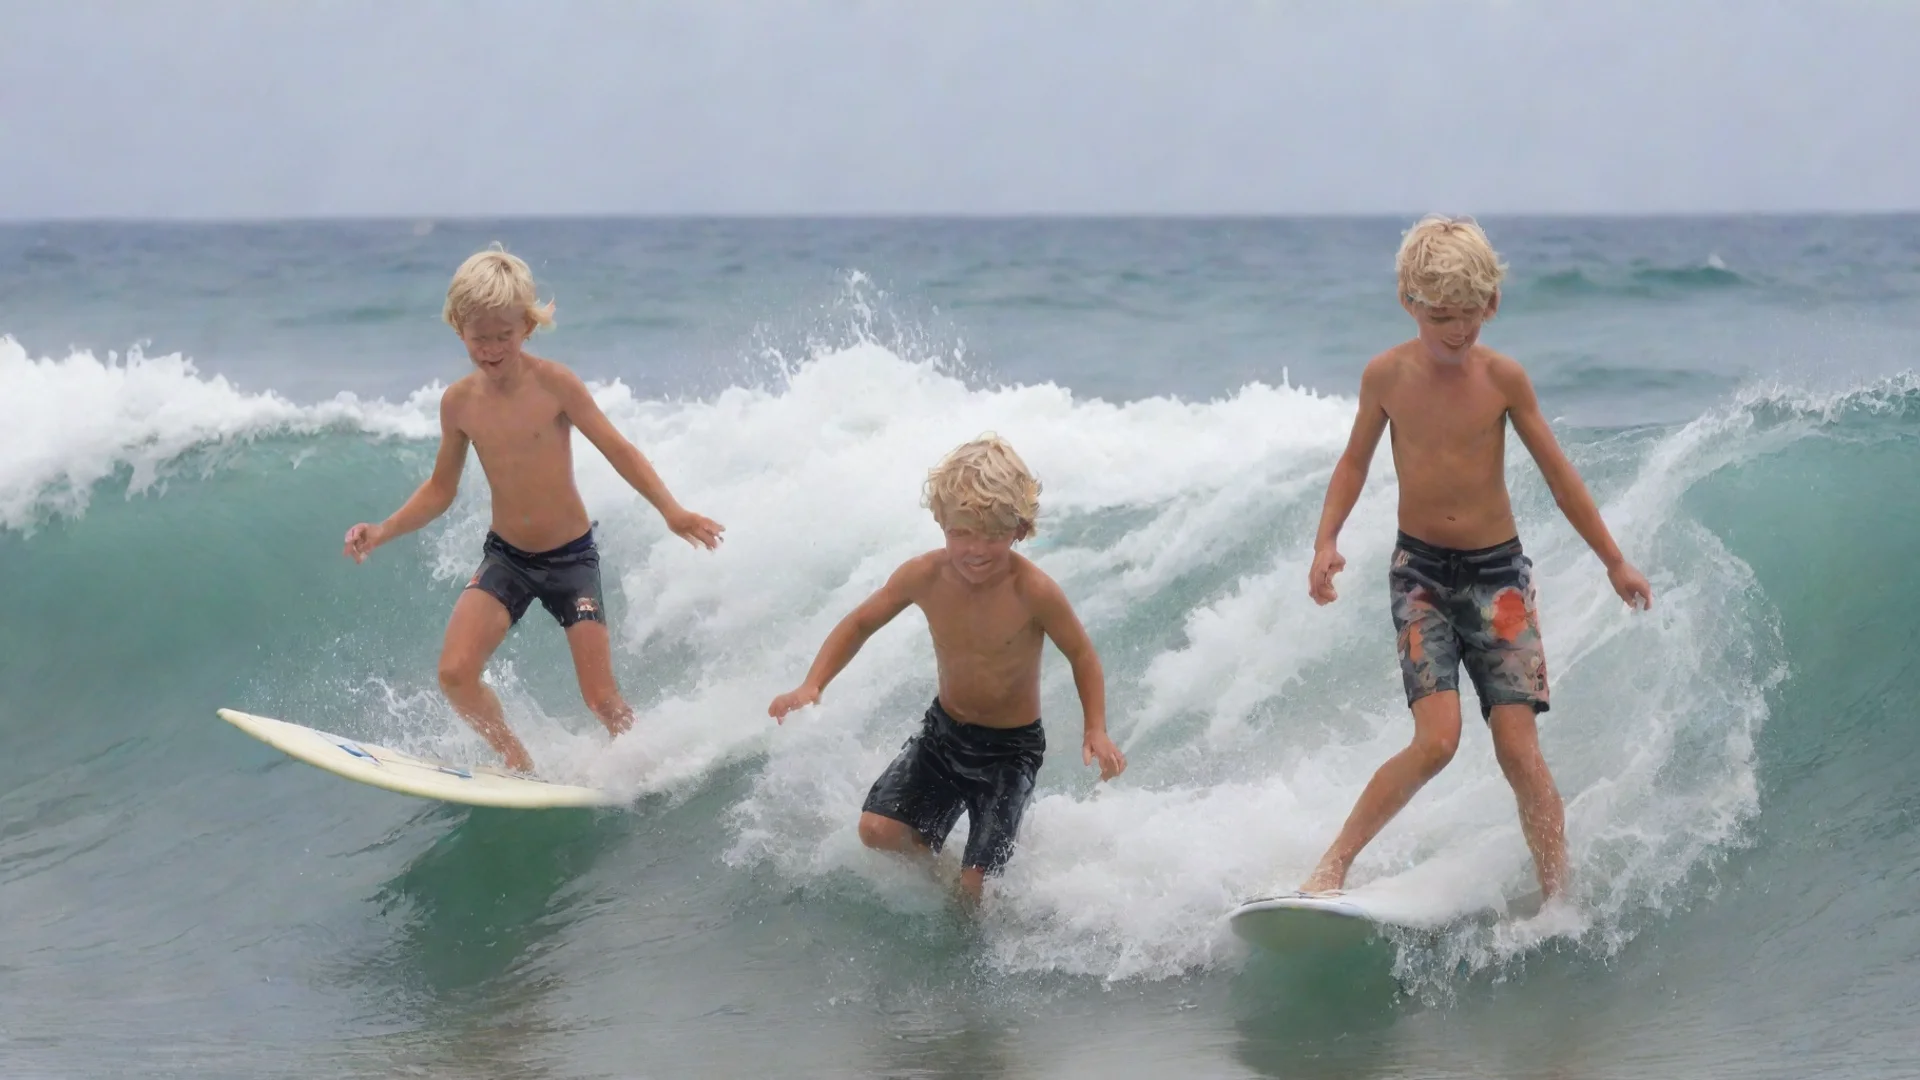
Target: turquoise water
[(1737, 763)]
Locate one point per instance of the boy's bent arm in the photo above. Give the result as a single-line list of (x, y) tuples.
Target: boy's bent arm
[(430, 499), (848, 635), (627, 460), (1348, 479), (1350, 472), (1062, 626), (1569, 491)]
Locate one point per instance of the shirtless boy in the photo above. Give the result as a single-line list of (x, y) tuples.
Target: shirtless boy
[(518, 411), (988, 609), (1462, 590)]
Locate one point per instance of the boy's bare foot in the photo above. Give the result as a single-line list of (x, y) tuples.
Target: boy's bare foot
[(617, 721), (512, 751), (1327, 877)]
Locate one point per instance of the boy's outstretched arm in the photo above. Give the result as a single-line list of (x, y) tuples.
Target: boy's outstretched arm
[(849, 634), (629, 462), (1343, 488), (428, 501), (1060, 624), (1569, 491)]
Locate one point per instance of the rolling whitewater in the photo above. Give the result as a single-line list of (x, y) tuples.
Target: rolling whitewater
[(191, 415)]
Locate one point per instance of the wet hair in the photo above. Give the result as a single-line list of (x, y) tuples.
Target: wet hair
[(984, 482), (493, 281), (1447, 262)]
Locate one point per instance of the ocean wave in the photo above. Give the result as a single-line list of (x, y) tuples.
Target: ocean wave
[(1182, 531), (74, 422), (1639, 282)]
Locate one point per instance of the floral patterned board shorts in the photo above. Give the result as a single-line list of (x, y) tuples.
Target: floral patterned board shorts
[(1473, 607)]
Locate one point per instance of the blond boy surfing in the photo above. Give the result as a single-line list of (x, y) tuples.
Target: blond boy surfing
[(1461, 588), (988, 609), (518, 413)]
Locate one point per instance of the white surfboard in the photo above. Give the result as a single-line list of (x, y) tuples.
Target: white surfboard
[(1297, 922), (381, 767)]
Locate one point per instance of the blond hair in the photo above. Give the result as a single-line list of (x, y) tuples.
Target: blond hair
[(984, 481), (493, 281), (1447, 262)]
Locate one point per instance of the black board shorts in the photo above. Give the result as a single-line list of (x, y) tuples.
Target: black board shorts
[(950, 767), (566, 580)]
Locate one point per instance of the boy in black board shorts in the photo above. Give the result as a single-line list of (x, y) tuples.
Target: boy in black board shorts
[(518, 412), (988, 610)]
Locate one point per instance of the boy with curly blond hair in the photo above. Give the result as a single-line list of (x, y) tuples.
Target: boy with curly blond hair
[(518, 412), (988, 609), (1461, 587)]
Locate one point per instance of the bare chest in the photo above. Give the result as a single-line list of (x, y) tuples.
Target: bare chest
[(1455, 415), (986, 626), (525, 425)]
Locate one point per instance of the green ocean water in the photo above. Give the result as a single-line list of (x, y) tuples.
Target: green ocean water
[(1738, 763)]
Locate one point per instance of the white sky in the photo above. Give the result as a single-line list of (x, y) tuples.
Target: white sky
[(276, 108)]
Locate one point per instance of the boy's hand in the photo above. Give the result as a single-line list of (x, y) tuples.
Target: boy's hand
[(1327, 562), (1632, 586), (791, 700), (1097, 745), (695, 529), (361, 540)]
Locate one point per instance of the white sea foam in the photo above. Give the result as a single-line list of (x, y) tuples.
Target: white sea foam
[(1181, 530)]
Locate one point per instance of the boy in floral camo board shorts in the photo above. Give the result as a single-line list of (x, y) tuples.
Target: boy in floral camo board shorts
[(1461, 587)]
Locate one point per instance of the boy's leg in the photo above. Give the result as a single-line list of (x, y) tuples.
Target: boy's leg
[(1507, 659), (568, 584), (1436, 735), (1429, 650), (912, 806), (592, 650), (477, 627), (973, 884), (886, 834), (997, 804), (1516, 743)]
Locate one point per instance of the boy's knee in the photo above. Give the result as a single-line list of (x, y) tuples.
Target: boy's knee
[(883, 834), (1434, 750), (456, 675), (1516, 757)]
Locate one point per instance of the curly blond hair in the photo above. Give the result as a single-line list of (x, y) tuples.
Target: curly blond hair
[(493, 281), (1448, 262), (984, 483)]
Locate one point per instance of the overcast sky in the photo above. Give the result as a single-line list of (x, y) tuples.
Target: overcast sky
[(273, 108)]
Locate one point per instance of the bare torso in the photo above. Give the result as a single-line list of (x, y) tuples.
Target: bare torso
[(986, 642), (525, 445), (1448, 426)]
